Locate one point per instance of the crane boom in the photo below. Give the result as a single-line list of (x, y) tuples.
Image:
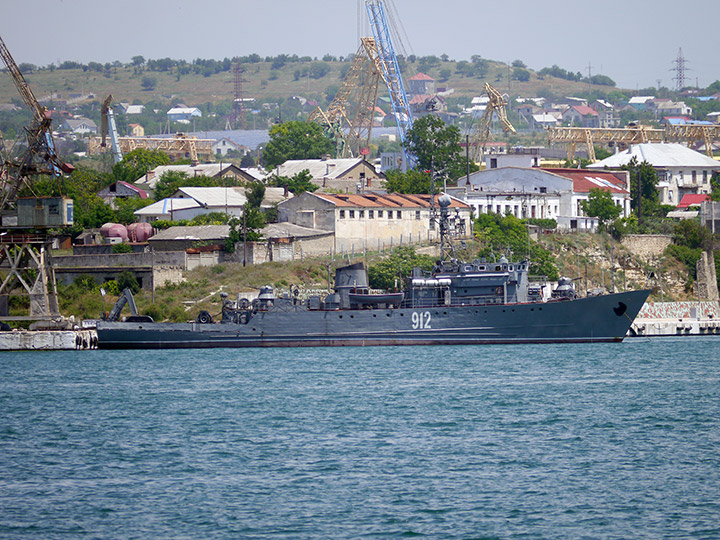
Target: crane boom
[(391, 71), (496, 105)]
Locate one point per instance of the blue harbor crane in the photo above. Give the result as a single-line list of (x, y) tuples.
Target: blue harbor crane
[(391, 72)]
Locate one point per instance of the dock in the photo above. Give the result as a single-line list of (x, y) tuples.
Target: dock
[(677, 319), (48, 340)]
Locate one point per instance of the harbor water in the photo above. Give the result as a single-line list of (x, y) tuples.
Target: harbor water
[(529, 441)]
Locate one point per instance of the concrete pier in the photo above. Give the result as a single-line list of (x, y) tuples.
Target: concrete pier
[(48, 340), (677, 319)]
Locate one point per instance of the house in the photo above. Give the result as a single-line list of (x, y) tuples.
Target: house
[(672, 108), (515, 157), (347, 174), (680, 169), (133, 109), (78, 126), (538, 122), (421, 84), (607, 118), (640, 103), (150, 179), (121, 190), (370, 220), (581, 115), (224, 145), (136, 130), (543, 193), (183, 114), (189, 202)]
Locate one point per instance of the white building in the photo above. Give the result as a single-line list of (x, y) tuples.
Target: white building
[(370, 220), (680, 169), (543, 193), (189, 202)]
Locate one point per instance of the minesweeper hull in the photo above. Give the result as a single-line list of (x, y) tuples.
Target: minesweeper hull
[(593, 319)]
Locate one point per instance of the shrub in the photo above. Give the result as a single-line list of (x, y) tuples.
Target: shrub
[(127, 280)]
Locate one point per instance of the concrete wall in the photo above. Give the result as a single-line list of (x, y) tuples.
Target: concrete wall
[(647, 246), (680, 310)]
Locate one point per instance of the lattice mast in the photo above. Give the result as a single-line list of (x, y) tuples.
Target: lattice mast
[(391, 71), (679, 70), (239, 96)]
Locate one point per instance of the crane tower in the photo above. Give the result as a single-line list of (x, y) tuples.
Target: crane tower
[(391, 71)]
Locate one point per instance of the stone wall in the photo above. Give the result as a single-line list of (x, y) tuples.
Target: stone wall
[(680, 310), (647, 246), (706, 287)]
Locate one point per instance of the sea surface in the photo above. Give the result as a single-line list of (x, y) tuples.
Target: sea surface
[(610, 441)]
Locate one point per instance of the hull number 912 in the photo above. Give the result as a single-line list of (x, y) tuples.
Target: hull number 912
[(420, 320)]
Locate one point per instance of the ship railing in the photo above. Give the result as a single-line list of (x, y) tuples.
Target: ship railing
[(482, 300)]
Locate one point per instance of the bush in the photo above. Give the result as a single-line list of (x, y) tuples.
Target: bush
[(686, 255), (121, 248), (127, 280)]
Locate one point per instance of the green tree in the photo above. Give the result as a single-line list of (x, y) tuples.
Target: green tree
[(520, 74), (138, 162), (255, 194), (643, 180), (148, 83), (248, 227), (437, 147), (715, 187), (397, 268), (126, 208), (297, 184), (171, 181), (600, 204), (296, 140), (413, 181), (127, 280), (498, 234)]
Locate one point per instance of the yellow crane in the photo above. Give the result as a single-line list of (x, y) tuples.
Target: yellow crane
[(482, 133), (349, 117)]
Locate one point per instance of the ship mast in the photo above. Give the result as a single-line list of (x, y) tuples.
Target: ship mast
[(441, 219)]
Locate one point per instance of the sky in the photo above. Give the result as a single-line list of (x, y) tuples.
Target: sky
[(634, 42)]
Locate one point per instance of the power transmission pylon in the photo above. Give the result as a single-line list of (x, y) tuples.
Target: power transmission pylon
[(679, 70)]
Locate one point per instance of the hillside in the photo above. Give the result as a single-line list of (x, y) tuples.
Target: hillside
[(266, 84)]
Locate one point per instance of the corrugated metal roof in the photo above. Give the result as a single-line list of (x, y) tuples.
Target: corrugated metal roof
[(166, 206), (658, 155), (318, 168), (198, 232), (585, 180)]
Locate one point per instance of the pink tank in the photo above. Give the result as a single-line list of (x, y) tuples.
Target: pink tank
[(139, 232), (114, 230)]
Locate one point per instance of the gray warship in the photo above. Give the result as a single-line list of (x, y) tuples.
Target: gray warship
[(477, 302)]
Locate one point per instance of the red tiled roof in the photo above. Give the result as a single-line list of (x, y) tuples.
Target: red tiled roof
[(141, 192), (382, 200), (693, 199), (585, 110), (421, 77), (584, 180)]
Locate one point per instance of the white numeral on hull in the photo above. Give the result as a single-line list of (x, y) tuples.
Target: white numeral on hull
[(420, 320)]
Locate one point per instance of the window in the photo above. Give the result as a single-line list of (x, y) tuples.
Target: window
[(694, 176), (379, 213), (417, 214), (399, 214), (352, 214), (370, 214), (361, 214), (390, 214), (342, 214)]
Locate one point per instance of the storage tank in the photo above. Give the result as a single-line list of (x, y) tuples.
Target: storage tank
[(139, 232), (114, 230)]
